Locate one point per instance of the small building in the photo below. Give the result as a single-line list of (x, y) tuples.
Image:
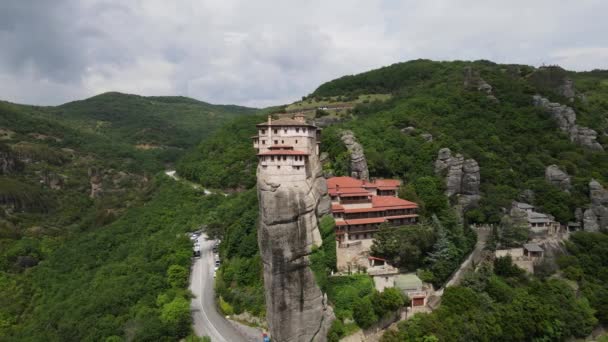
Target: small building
[(410, 285), (533, 251)]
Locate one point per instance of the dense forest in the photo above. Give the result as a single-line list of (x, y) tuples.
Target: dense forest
[(92, 237)]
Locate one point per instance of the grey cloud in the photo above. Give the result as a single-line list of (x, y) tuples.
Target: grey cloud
[(267, 52)]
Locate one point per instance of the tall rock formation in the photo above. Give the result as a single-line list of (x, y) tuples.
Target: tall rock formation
[(557, 177), (292, 196), (462, 178), (96, 181), (595, 218), (566, 120), (358, 163), (473, 81)]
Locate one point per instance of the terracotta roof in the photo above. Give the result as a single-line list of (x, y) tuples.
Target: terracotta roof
[(336, 207), (344, 182), (390, 201), (283, 153), (285, 122), (389, 183)]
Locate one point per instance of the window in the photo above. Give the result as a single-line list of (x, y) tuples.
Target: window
[(296, 141), (276, 131), (304, 130), (278, 166), (263, 131), (282, 141), (284, 157), (271, 158), (264, 166), (285, 130), (263, 142), (297, 129), (276, 142)]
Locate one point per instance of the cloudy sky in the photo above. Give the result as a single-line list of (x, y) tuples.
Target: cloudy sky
[(260, 53)]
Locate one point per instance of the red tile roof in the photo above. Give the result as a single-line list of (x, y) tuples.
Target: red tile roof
[(283, 153), (344, 182), (336, 208), (389, 201)]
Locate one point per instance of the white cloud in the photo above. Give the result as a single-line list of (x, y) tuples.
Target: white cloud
[(266, 52)]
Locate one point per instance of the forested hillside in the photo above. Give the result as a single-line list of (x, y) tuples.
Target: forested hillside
[(91, 239), (512, 140)]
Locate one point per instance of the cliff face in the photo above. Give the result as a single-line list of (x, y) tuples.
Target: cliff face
[(296, 309)]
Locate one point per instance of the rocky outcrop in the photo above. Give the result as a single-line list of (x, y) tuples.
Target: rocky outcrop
[(428, 137), (472, 80), (52, 180), (566, 89), (462, 178), (96, 181), (358, 163), (596, 217), (9, 163), (296, 309), (566, 120), (557, 177)]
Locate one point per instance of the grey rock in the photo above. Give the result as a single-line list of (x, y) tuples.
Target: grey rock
[(566, 89), (565, 117), (590, 221), (597, 193), (472, 80), (9, 163), (52, 180), (288, 230), (597, 214), (428, 137), (462, 178), (557, 177), (96, 181), (408, 130), (578, 214), (358, 163)]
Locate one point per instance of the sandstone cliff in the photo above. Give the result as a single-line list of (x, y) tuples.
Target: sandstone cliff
[(566, 120), (358, 163), (462, 178), (296, 309)]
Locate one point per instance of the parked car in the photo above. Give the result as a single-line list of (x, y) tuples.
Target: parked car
[(197, 251)]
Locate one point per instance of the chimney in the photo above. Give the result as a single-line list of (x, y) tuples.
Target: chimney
[(299, 117)]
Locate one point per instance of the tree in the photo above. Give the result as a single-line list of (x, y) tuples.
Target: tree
[(363, 313), (177, 276), (176, 314)]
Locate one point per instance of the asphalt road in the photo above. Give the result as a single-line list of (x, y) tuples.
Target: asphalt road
[(207, 320)]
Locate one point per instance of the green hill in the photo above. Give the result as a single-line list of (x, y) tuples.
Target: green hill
[(78, 197)]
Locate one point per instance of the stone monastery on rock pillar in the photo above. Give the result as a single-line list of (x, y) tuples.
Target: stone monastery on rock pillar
[(284, 147)]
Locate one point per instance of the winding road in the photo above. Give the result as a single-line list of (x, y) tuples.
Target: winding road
[(207, 320)]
